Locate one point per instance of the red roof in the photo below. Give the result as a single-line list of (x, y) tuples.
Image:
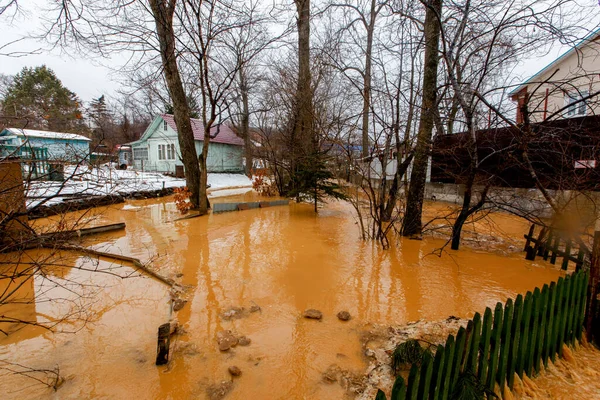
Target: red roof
[(225, 135)]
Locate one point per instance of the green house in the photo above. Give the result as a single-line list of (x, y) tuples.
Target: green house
[(158, 148)]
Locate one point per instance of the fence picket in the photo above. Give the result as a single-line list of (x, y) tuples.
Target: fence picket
[(548, 340), (474, 348), (495, 346), (505, 343), (564, 313), (570, 330), (581, 319), (485, 345), (399, 389), (436, 379), (535, 316), (560, 289), (447, 369), (515, 340), (412, 390), (539, 345), (527, 306), (426, 373)]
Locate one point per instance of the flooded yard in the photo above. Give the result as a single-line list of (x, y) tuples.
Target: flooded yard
[(284, 260)]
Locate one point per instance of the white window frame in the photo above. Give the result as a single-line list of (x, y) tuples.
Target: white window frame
[(576, 110), (166, 151), (165, 126)]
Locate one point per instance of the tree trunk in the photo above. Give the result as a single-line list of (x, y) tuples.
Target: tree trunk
[(414, 206), (367, 81), (163, 17), (245, 122), (304, 140)]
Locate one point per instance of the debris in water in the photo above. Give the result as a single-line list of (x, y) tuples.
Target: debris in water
[(244, 341), (219, 391), (343, 315), (178, 304), (226, 340), (254, 308), (234, 371), (311, 313)]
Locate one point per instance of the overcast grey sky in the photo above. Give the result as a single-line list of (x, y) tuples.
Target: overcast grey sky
[(92, 78)]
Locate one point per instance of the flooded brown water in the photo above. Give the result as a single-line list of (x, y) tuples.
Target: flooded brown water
[(284, 259)]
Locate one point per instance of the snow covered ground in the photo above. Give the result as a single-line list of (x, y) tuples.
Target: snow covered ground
[(82, 182)]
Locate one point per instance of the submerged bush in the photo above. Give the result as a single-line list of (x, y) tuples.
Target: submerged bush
[(409, 352)]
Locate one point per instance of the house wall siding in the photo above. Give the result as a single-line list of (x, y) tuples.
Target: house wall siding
[(221, 157), (578, 71)]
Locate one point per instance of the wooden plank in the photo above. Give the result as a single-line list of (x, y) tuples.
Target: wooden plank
[(528, 237), (505, 343), (540, 243), (459, 352), (550, 316), (399, 389), (485, 345), (539, 346), (495, 346), (525, 325), (426, 374), (548, 244), (444, 391), (474, 348), (515, 340), (560, 288), (436, 379), (412, 390), (533, 335), (567, 255), (555, 248)]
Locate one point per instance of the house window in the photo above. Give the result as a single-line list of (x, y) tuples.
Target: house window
[(164, 125), (576, 107), (166, 151), (140, 153)]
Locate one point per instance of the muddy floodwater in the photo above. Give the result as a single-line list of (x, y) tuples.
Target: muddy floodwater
[(282, 259)]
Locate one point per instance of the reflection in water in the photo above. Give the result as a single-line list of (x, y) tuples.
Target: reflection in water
[(284, 259)]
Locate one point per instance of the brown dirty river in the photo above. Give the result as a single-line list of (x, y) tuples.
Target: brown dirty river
[(284, 260)]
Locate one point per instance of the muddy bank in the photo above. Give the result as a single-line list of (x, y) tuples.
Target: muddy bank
[(379, 342)]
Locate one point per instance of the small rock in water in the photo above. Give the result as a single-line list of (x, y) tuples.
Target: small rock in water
[(343, 315), (178, 304), (244, 341), (226, 340), (254, 308), (234, 371), (311, 313)]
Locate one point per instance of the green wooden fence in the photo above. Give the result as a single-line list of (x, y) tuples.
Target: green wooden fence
[(516, 337)]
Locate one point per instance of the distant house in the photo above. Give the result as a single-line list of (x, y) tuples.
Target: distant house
[(158, 148), (51, 146), (565, 81)]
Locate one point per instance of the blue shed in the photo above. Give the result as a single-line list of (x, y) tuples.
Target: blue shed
[(58, 146)]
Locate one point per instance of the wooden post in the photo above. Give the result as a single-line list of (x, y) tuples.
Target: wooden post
[(592, 315), (164, 341), (567, 255), (529, 236)]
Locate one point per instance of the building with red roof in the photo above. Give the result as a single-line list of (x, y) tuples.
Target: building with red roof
[(158, 148)]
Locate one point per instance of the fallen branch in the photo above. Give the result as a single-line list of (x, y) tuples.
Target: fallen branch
[(135, 261)]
